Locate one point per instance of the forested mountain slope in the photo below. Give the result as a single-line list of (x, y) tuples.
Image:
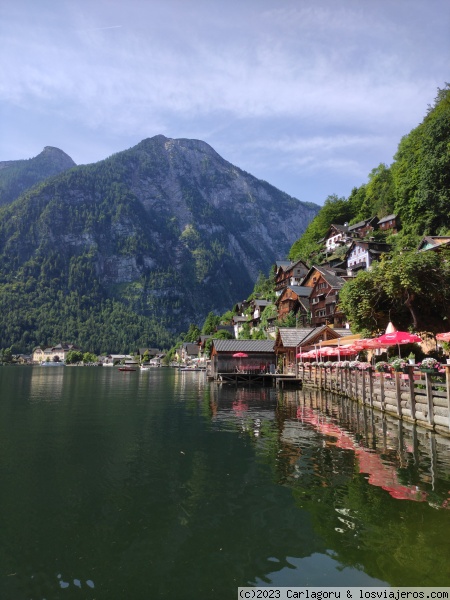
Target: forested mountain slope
[(166, 231), (17, 176)]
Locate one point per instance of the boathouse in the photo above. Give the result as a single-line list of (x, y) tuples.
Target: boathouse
[(246, 357)]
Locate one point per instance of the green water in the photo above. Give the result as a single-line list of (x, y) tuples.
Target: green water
[(162, 485)]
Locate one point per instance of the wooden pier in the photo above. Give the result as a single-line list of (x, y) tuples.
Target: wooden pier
[(412, 396), (263, 379)]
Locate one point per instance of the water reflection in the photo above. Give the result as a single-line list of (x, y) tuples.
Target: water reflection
[(164, 485)]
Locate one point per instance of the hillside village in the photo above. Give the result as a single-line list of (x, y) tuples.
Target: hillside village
[(301, 309)]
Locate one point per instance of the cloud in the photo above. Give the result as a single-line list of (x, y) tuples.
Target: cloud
[(312, 84)]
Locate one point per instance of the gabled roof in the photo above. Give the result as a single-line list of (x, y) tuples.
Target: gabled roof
[(291, 337), (361, 224), (249, 346), (387, 218), (332, 276), (431, 242), (260, 303), (301, 290), (191, 348)]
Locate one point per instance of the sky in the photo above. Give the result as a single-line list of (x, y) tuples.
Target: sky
[(309, 95)]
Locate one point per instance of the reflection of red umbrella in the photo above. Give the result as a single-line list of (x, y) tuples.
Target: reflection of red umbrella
[(443, 337)]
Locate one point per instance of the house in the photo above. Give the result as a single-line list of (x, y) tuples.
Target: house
[(295, 299), (289, 273), (150, 352), (362, 254), (391, 224), (229, 355), (335, 236), (238, 322), (188, 351), (257, 307), (363, 228), (56, 353), (435, 243), (325, 284), (290, 341)]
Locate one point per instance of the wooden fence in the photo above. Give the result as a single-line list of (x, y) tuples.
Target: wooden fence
[(412, 396)]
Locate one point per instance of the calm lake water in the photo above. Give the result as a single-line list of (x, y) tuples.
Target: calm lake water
[(163, 485)]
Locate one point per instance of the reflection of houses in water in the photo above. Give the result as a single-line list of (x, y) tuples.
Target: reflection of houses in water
[(410, 463), (246, 408), (46, 384)]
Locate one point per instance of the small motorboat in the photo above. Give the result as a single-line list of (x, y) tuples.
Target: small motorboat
[(127, 369)]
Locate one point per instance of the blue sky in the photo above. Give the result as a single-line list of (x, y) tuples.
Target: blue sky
[(309, 95)]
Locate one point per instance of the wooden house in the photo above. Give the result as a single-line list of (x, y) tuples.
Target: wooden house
[(288, 273), (295, 299), (390, 223), (290, 341), (363, 228), (227, 356), (325, 284)]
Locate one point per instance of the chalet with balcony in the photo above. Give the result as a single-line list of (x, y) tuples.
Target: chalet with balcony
[(295, 299), (325, 284), (288, 274), (362, 254)]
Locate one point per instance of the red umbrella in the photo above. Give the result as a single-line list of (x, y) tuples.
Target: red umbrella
[(240, 355), (443, 337), (398, 337)]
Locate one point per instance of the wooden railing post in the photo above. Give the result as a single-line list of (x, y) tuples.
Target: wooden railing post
[(398, 393), (447, 380), (412, 395), (429, 398), (371, 376), (382, 391)]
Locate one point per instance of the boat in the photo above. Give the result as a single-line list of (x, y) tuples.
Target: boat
[(145, 367), (190, 369), (126, 369)]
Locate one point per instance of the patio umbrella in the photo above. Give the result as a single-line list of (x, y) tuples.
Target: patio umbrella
[(398, 338), (443, 337), (240, 355)]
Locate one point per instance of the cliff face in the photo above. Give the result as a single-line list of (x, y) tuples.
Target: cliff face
[(16, 176), (168, 228)]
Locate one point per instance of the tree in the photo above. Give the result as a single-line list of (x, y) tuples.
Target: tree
[(74, 356), (193, 333), (412, 289), (210, 324)]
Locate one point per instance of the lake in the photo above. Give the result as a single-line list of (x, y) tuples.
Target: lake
[(162, 485)]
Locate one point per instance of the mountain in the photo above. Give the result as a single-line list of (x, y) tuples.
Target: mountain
[(16, 176), (163, 232)]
